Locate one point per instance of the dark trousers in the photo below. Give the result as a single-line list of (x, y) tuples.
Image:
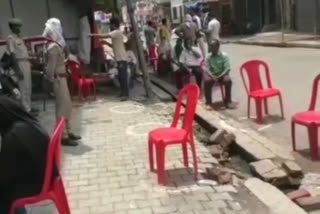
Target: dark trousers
[(123, 78), (132, 76), (226, 81), (183, 76)]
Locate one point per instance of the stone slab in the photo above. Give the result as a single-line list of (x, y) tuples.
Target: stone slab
[(267, 170), (292, 168), (273, 198)]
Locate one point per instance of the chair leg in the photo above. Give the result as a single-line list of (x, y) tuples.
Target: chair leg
[(80, 91), (313, 140), (281, 106), (293, 135), (195, 160), (249, 107), (266, 109), (185, 154), (222, 93), (59, 205), (161, 164), (151, 155), (259, 111), (94, 91)]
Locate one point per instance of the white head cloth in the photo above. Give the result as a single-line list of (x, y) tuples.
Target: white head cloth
[(53, 31)]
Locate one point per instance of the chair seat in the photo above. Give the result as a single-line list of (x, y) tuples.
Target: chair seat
[(168, 135), (264, 93), (307, 118), (87, 81)]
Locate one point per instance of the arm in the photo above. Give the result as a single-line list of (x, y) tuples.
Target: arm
[(179, 32), (15, 65), (209, 70), (52, 64), (106, 36), (196, 53), (226, 66)]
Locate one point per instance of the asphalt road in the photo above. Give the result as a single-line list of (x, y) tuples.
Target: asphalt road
[(292, 71)]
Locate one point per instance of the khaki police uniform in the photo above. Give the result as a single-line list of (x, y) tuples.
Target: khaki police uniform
[(16, 46), (56, 74)]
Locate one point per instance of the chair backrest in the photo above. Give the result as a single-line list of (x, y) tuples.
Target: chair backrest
[(76, 72), (191, 92), (53, 156), (253, 70), (314, 96)]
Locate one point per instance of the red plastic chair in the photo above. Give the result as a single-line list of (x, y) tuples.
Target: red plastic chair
[(310, 119), (153, 56), (163, 137), (256, 89), (52, 189), (79, 80)]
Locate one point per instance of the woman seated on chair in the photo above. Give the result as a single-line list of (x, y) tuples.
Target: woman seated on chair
[(23, 153)]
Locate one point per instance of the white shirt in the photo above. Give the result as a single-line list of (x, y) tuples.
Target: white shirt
[(119, 50), (131, 57), (197, 20), (214, 26), (187, 57)]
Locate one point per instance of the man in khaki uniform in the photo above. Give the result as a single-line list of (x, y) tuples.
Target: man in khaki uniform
[(57, 77), (22, 68)]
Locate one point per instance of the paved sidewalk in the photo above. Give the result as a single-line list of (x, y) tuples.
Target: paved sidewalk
[(109, 172), (275, 39)]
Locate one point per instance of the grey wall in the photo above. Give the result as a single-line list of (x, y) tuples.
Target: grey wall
[(254, 12), (305, 13), (5, 15), (67, 13), (34, 15)]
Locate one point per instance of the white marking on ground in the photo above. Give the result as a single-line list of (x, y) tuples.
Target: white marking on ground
[(264, 127)]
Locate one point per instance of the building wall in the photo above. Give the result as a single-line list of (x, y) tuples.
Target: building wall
[(34, 14), (254, 13), (305, 15)]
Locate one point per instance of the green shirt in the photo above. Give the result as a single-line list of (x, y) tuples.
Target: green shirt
[(218, 64)]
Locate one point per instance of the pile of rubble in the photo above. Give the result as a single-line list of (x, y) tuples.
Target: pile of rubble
[(284, 174)]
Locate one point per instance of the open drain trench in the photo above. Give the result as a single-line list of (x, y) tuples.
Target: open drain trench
[(235, 165)]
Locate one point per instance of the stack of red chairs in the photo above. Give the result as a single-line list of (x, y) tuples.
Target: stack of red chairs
[(78, 79), (53, 188)]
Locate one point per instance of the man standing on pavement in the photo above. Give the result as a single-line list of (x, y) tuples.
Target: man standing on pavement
[(21, 65), (57, 78), (190, 62), (150, 35), (187, 30), (200, 35), (120, 55), (217, 70), (214, 27)]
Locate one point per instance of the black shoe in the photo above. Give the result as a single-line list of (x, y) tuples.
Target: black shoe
[(231, 105), (74, 137), (123, 99), (68, 142)]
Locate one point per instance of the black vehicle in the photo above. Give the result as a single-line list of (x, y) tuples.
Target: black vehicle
[(8, 86)]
